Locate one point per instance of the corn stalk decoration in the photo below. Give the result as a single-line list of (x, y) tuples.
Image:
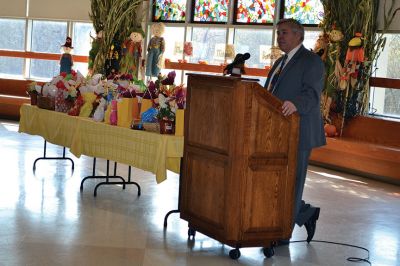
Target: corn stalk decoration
[(116, 19), (351, 17)]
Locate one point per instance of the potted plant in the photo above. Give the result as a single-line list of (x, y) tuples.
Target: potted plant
[(33, 90), (166, 114)]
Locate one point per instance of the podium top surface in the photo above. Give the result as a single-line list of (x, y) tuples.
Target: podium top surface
[(223, 76)]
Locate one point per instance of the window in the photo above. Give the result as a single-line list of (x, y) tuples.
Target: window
[(215, 11), (82, 43), (209, 43), (81, 40), (254, 11), (309, 12), (48, 36), (12, 37), (81, 67), (174, 38), (169, 11), (257, 43), (44, 69), (385, 101), (310, 38), (11, 66), (205, 42)]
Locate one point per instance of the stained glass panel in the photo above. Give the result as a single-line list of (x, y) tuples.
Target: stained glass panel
[(210, 11), (255, 11), (170, 10), (305, 11)]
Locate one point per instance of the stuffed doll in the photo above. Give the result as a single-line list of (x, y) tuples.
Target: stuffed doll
[(100, 110), (320, 47), (132, 52), (335, 37), (334, 71), (354, 58), (236, 68), (66, 61), (88, 99), (155, 50)]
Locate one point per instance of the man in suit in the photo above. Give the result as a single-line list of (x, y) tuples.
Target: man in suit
[(297, 78)]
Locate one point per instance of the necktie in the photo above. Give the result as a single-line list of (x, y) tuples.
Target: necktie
[(277, 73)]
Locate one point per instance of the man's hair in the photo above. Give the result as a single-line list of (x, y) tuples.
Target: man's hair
[(295, 25)]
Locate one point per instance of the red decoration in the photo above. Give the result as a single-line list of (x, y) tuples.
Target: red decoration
[(330, 130)]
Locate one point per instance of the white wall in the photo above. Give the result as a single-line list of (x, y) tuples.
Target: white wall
[(60, 9), (15, 9), (77, 10)]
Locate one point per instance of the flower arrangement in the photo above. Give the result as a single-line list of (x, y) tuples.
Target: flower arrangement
[(170, 97), (167, 108), (69, 84), (33, 88), (33, 91)]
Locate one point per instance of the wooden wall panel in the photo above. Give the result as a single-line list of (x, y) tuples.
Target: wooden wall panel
[(372, 160), (373, 130)]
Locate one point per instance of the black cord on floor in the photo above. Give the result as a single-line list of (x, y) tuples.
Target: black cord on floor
[(351, 259)]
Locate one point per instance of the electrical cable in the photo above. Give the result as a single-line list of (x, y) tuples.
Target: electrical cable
[(351, 259)]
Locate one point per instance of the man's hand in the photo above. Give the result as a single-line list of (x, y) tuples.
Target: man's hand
[(288, 108)]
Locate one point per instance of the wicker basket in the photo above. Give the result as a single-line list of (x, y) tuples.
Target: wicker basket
[(152, 127), (46, 102)]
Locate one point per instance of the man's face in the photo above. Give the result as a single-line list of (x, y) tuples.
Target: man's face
[(287, 38)]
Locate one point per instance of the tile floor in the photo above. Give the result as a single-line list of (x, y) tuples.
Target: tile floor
[(46, 220)]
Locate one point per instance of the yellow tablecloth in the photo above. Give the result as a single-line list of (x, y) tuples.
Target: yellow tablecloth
[(145, 150)]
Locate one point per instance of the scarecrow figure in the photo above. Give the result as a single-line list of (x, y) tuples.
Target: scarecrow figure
[(66, 61)]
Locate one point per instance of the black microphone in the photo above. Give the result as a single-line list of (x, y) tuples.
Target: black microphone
[(238, 62)]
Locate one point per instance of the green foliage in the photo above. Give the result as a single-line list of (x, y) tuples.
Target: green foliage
[(99, 11), (166, 114), (117, 19), (352, 16), (140, 83)]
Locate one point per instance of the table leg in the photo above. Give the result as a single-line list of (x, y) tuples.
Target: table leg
[(179, 197), (107, 178), (52, 158)]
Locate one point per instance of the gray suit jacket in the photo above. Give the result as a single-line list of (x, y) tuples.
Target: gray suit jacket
[(301, 82)]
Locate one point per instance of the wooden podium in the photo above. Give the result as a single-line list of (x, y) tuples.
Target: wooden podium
[(239, 165)]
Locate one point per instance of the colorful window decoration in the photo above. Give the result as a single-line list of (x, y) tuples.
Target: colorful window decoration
[(211, 11), (305, 11), (170, 10), (255, 11)]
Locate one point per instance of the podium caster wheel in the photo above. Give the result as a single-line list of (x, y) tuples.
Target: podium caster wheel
[(269, 252), (191, 232), (234, 254)]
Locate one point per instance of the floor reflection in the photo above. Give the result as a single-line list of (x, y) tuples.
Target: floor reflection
[(46, 220)]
